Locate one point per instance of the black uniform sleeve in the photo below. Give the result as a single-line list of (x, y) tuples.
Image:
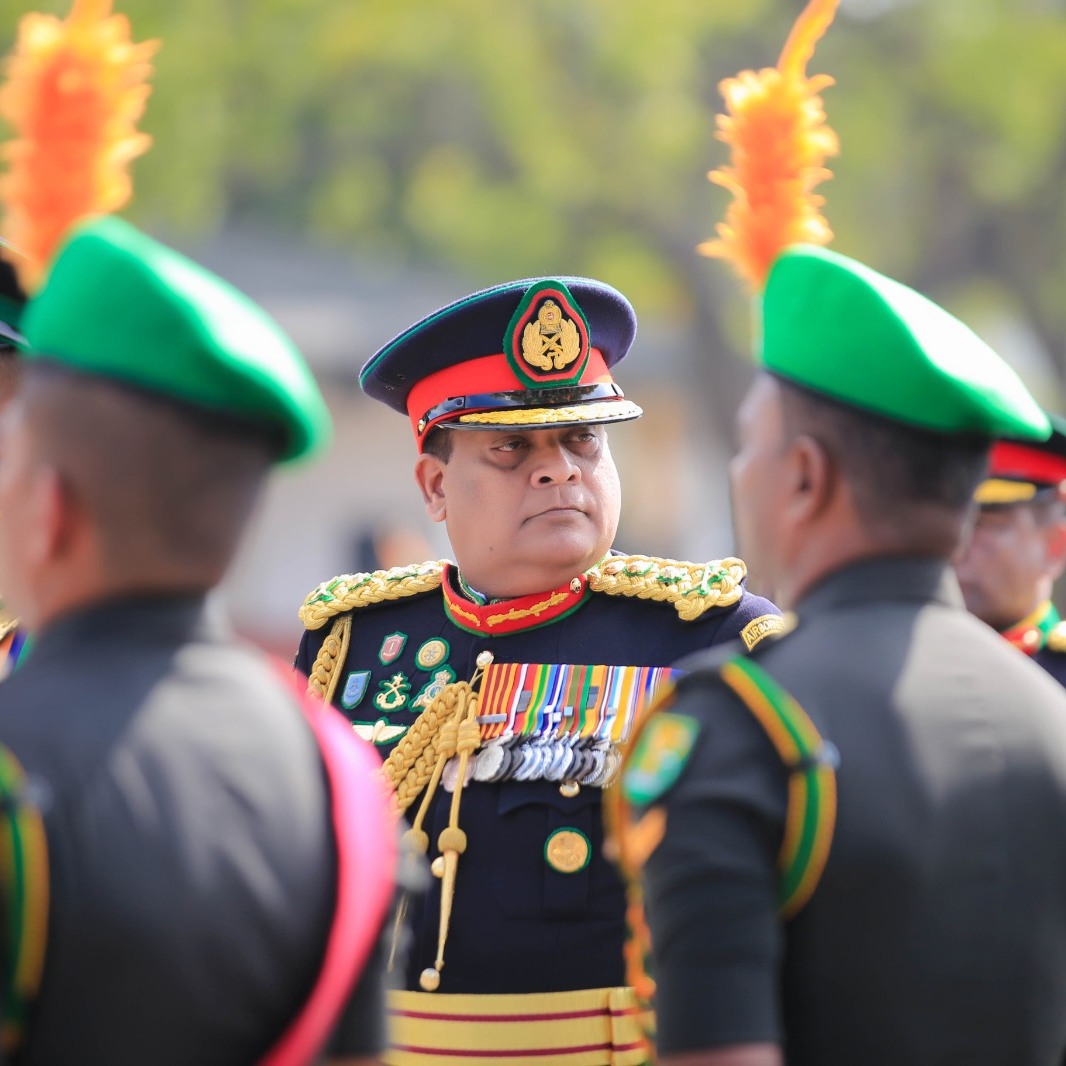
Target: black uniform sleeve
[(711, 885), (361, 1029)]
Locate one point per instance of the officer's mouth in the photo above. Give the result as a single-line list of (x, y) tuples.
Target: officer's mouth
[(562, 511)]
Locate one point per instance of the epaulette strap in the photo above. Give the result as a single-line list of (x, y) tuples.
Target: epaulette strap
[(692, 588), (324, 675), (24, 884), (811, 762), (1056, 638), (349, 591)]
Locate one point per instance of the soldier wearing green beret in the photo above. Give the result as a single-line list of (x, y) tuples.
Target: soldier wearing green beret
[(851, 841), (848, 845), (198, 893)]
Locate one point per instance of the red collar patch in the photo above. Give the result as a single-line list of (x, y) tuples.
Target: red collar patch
[(511, 616)]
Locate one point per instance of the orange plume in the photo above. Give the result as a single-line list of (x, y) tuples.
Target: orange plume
[(75, 90), (779, 140)]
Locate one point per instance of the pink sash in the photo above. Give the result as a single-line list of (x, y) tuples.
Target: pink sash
[(365, 832)]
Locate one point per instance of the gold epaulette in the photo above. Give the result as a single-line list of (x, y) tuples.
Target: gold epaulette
[(1056, 638), (692, 588), (349, 591)]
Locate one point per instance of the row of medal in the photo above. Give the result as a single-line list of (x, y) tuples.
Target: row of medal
[(572, 760)]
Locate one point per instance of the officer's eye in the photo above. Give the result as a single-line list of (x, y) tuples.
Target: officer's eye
[(511, 444), (583, 437)]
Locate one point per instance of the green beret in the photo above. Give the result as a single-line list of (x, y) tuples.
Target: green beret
[(119, 305), (839, 328)]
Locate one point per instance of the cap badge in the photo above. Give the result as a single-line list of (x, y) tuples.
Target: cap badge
[(550, 343), (547, 342)]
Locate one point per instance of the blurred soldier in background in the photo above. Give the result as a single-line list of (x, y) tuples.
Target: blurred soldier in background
[(204, 869), (208, 901), (1009, 564)]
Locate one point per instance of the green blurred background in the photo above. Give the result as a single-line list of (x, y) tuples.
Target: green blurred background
[(355, 163)]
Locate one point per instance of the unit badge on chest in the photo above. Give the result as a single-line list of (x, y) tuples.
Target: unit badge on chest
[(355, 689), (432, 653), (391, 648), (392, 694)]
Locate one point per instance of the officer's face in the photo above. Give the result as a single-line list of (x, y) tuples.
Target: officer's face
[(25, 497), (1007, 567), (525, 511), (757, 479)]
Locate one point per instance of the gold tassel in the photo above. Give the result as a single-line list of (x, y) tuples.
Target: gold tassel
[(443, 738)]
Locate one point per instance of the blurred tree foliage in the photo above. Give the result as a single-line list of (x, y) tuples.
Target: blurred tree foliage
[(503, 138)]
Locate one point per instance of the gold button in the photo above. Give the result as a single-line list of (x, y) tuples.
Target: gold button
[(567, 850), (575, 585)]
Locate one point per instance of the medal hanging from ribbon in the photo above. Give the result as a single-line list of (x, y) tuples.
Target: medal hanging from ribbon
[(560, 722)]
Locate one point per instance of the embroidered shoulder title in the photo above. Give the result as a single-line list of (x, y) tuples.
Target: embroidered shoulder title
[(692, 588), (349, 591)]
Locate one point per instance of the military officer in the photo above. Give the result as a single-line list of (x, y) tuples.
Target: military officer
[(1017, 549), (503, 683), (206, 898)]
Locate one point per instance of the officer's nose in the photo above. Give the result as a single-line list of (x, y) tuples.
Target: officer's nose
[(555, 466)]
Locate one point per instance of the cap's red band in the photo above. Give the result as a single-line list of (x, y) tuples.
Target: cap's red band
[(487, 374), (1020, 462)]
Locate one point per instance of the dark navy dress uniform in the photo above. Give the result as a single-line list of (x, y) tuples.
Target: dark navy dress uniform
[(529, 701), (524, 920), (950, 785)]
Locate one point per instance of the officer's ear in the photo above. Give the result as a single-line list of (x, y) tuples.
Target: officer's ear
[(1055, 547), (811, 478), (429, 476)]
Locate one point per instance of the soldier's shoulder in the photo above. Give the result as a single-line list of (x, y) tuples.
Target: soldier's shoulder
[(349, 592), (692, 589)]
